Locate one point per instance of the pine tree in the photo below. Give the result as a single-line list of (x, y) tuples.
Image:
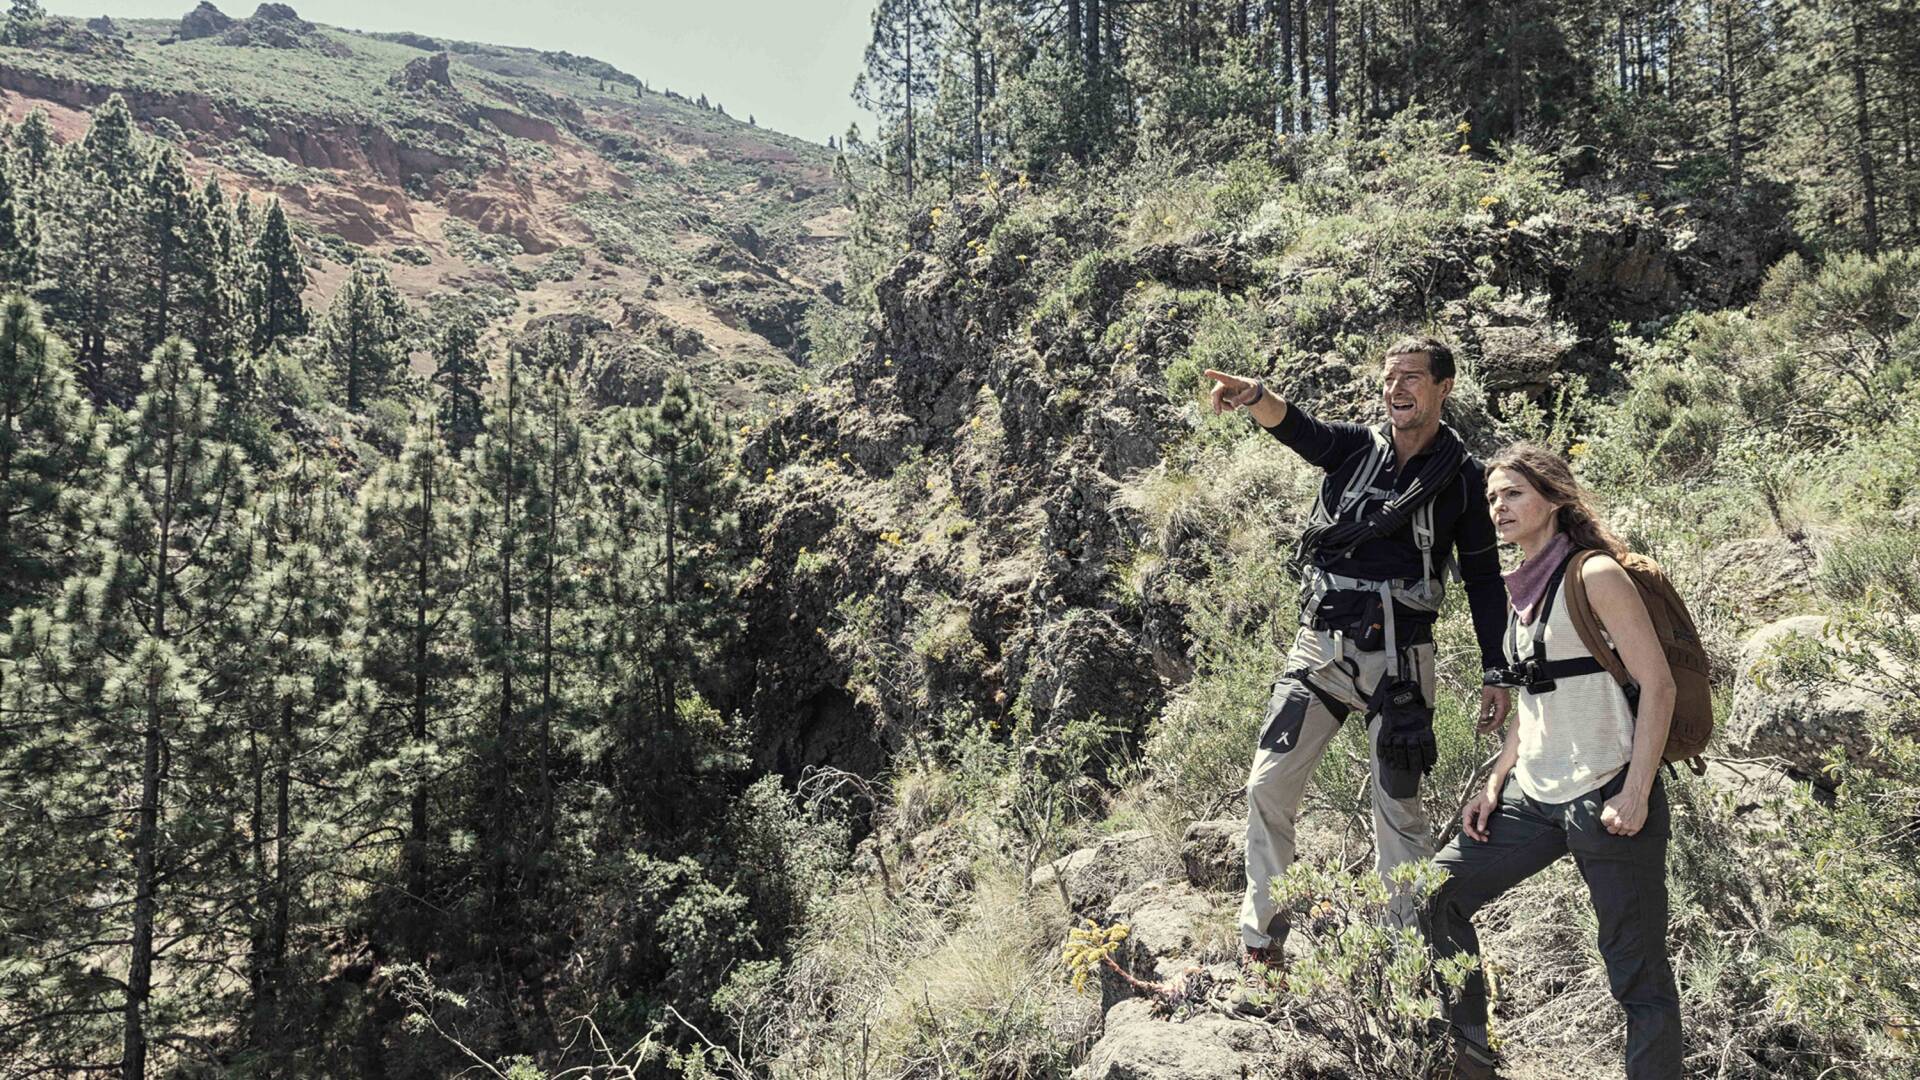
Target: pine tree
[(668, 485), (112, 737), (90, 207), (167, 231), (363, 336), (528, 616), (291, 689), (49, 452), (209, 290), (279, 277), (24, 21), (460, 373), (898, 79), (33, 150), (420, 558), (16, 231)]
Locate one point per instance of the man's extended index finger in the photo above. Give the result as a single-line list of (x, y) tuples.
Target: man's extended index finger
[(1224, 379)]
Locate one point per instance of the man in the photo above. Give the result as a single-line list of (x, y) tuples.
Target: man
[(1395, 503)]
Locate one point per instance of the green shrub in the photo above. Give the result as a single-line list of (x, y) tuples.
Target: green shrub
[(1367, 986)]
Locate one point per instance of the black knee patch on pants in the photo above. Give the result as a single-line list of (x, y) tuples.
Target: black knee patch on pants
[(1287, 713)]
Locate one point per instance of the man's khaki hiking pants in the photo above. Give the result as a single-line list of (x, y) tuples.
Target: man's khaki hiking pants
[(1298, 727)]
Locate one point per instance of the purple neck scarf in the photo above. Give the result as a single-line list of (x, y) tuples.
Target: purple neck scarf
[(1527, 585)]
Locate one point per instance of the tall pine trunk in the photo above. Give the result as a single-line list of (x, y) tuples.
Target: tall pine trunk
[(1285, 9), (417, 816), (503, 732), (1333, 62), (133, 1059), (909, 95), (1863, 123), (1306, 71), (1736, 143)]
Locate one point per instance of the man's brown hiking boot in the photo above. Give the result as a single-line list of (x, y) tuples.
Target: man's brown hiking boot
[(1260, 966)]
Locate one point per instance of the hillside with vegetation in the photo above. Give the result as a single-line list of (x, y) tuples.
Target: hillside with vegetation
[(377, 715), (521, 185)]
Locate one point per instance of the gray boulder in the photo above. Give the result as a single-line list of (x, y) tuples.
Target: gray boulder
[(1799, 722), (1139, 1046), (1171, 927), (1093, 875), (1215, 854), (1758, 578)]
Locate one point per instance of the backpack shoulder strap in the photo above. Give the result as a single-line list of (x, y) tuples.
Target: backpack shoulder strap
[(1371, 459), (1587, 623)]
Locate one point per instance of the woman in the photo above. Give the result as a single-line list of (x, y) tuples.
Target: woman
[(1578, 770)]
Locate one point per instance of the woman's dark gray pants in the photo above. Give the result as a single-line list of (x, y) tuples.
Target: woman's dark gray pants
[(1625, 875)]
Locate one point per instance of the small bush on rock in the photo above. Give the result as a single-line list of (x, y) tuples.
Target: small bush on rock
[(1368, 987)]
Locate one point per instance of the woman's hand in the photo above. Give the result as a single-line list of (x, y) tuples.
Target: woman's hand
[(1624, 814), (1495, 704), (1477, 818)]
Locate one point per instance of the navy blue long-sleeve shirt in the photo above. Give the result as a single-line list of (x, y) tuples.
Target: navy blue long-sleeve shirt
[(1460, 521)]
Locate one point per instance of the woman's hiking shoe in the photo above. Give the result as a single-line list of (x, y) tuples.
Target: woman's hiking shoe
[(1471, 1061)]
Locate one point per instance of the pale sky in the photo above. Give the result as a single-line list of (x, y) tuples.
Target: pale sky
[(789, 63)]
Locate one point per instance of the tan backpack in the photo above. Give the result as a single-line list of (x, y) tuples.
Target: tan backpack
[(1692, 722)]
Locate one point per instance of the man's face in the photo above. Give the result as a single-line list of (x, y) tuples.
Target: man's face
[(1410, 393)]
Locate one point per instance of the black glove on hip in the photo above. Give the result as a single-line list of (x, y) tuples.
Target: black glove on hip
[(1405, 740)]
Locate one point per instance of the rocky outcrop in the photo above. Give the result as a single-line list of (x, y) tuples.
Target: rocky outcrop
[(278, 26), (1759, 579), (1091, 876), (1801, 720), (1141, 1046), (1518, 347), (423, 73), (204, 21), (1215, 854)]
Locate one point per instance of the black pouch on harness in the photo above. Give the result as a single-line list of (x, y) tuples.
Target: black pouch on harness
[(1360, 617), (1404, 743)]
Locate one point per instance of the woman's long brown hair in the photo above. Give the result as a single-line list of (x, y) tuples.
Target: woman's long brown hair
[(1550, 476)]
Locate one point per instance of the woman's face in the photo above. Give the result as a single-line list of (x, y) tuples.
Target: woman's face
[(1518, 509)]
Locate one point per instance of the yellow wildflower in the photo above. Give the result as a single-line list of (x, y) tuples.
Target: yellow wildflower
[(1513, 223), (1464, 127), (1464, 148)]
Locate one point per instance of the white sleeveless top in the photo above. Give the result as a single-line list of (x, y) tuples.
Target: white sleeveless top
[(1578, 736)]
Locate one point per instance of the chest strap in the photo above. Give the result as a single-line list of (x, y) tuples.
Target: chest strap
[(1538, 674)]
